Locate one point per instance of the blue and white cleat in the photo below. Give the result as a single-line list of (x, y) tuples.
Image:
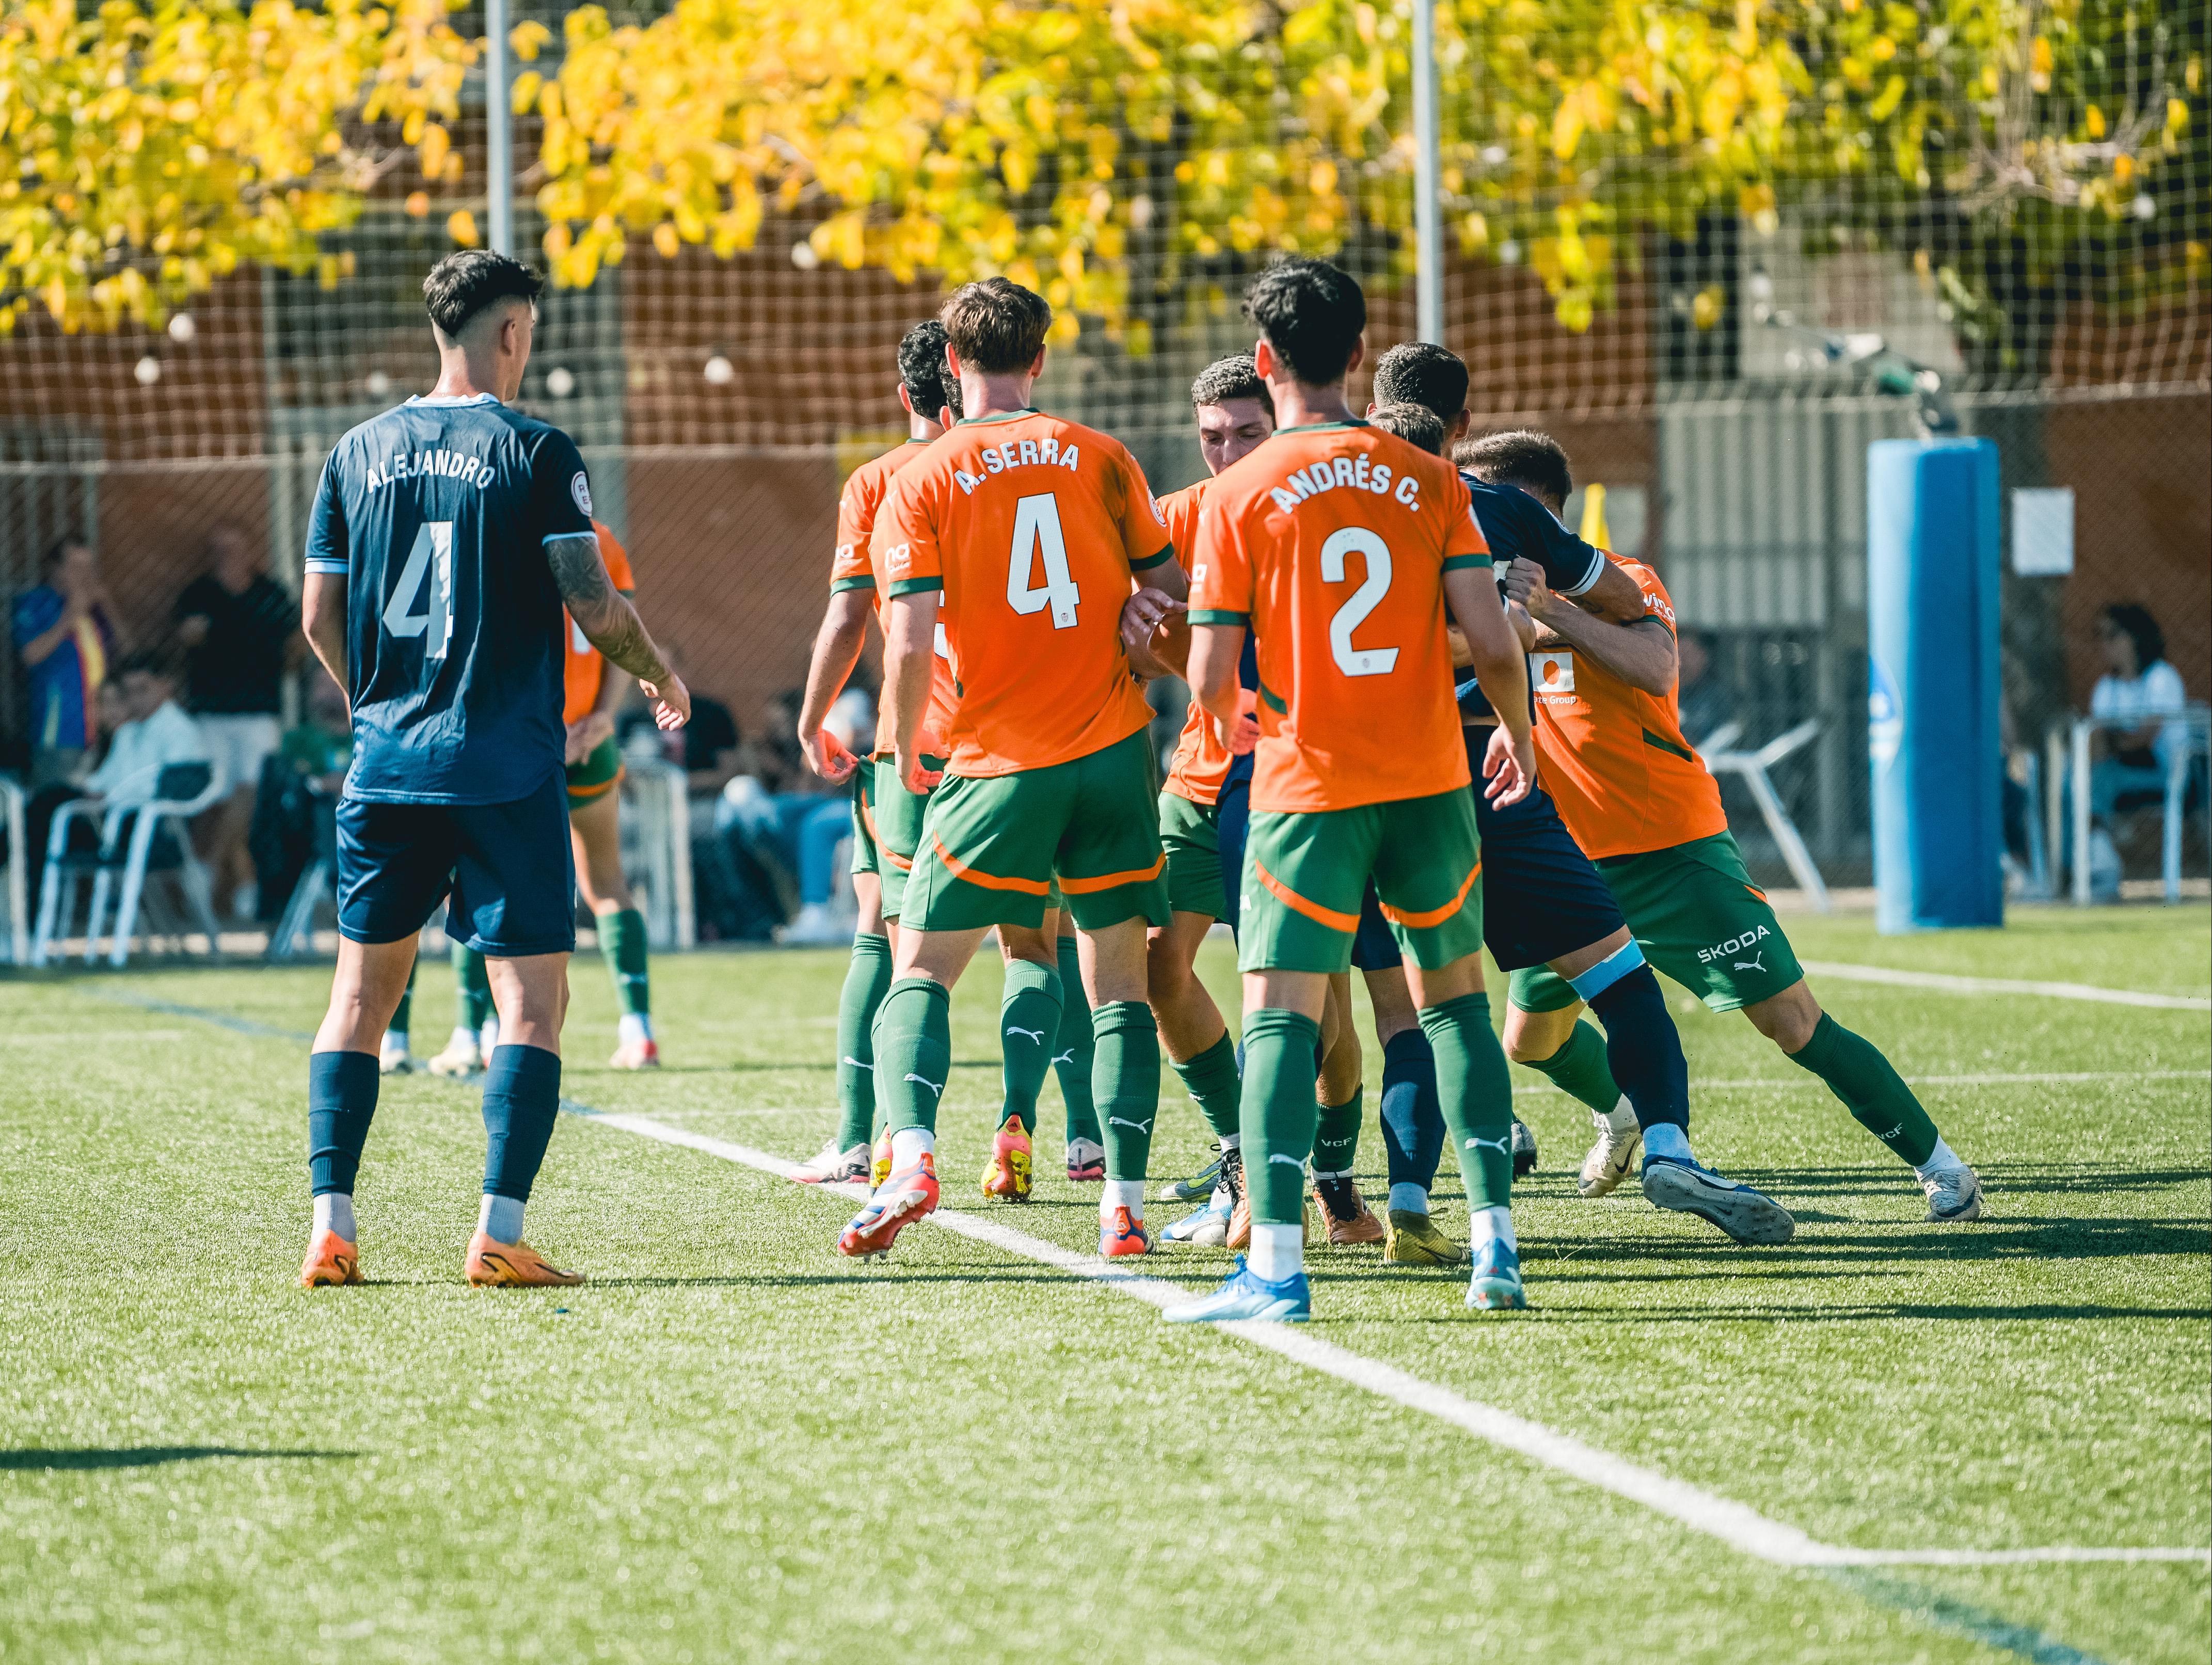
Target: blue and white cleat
[(1245, 1294), (1203, 1183), (1686, 1187), (1205, 1226), (1496, 1286)]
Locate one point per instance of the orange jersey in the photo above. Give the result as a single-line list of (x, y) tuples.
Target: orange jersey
[(1032, 528), (857, 506), (1331, 542), (1202, 763), (585, 667), (1614, 757)]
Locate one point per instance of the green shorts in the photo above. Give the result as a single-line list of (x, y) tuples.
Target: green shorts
[(1698, 917), (1191, 835), (599, 774), (865, 859), (1306, 871), (993, 845), (896, 829)]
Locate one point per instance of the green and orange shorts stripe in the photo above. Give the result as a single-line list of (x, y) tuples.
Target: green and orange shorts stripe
[(992, 845), (893, 818), (599, 774), (1306, 871)]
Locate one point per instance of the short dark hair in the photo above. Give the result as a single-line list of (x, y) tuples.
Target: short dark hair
[(1414, 423), (150, 662), (1312, 314), (1232, 377), (996, 326), (57, 551), (928, 384), (460, 286), (1421, 373), (1521, 457), (2134, 619)]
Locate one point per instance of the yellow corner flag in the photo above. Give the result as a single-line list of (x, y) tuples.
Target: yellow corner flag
[(1594, 531)]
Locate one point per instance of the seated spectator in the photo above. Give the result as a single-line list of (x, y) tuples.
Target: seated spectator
[(1706, 701), (155, 734), (298, 784), (2142, 697), (708, 747), (66, 639)]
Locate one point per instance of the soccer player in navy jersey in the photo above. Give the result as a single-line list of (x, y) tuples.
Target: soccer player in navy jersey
[(445, 537)]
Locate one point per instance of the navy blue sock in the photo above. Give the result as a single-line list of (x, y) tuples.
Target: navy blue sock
[(521, 1096), (1643, 1049), (1413, 1120), (341, 1104)]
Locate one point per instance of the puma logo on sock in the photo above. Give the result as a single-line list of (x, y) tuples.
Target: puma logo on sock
[(1505, 1145), (934, 1086), (1124, 1122), (858, 1065), (1035, 1035), (1067, 1057), (1291, 1161)]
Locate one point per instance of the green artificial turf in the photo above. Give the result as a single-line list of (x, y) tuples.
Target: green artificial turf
[(733, 1444)]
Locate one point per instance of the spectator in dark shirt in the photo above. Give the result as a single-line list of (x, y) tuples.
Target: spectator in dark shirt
[(67, 642), (1706, 700), (239, 630)]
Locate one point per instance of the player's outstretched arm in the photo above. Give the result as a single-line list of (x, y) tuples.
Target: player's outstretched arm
[(837, 651), (323, 618), (1214, 651), (1642, 654), (610, 624), (909, 644), (1510, 765)]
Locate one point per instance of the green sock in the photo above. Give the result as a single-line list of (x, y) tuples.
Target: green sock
[(1070, 1057), (1579, 1070), (406, 1007), (1125, 1077), (1279, 1112), (1028, 1024), (1211, 1079), (914, 1052), (1336, 1135), (1871, 1089), (865, 980), (622, 945), (1475, 1085), (471, 989)]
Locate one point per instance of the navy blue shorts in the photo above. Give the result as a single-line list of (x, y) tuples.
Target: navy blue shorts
[(1232, 822), (1541, 896), (509, 867)]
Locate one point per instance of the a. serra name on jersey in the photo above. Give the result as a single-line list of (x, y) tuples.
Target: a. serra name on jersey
[(1330, 543), (1031, 528)]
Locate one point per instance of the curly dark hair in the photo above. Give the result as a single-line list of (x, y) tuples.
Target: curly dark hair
[(1231, 378), (928, 383), (1536, 462), (1312, 314)]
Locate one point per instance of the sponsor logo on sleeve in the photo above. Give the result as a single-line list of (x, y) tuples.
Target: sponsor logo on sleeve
[(580, 489)]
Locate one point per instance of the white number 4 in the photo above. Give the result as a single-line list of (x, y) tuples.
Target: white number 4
[(432, 558), (1357, 661), (1036, 533)]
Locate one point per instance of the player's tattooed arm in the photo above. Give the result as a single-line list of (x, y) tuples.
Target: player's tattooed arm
[(610, 624)]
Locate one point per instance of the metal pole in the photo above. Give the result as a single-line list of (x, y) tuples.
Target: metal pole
[(1428, 215), (499, 128)]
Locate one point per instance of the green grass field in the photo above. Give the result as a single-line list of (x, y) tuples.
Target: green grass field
[(732, 1444)]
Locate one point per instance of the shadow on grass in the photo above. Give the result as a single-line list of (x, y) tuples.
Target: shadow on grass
[(138, 1456)]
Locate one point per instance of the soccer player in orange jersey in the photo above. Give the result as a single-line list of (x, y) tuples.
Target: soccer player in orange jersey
[(1021, 535), (932, 401), (1339, 547), (1649, 814)]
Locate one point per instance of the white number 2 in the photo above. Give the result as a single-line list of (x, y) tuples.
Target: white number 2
[(1036, 533), (1357, 661), (428, 574)]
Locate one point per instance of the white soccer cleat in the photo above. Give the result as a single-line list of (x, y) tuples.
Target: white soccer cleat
[(392, 1057), (1612, 1158), (815, 926), (831, 1166), (463, 1055), (1690, 1187), (1953, 1194)]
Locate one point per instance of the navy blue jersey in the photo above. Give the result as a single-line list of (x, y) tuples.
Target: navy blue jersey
[(438, 513), (1517, 527)]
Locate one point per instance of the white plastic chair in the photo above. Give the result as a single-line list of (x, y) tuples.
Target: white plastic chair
[(1753, 766), (18, 869), (58, 891), (2196, 737), (169, 806)]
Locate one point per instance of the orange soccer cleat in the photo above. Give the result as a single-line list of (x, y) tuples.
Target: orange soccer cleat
[(1349, 1218), (905, 1197), (331, 1260), (1123, 1235), (1006, 1175), (494, 1265)]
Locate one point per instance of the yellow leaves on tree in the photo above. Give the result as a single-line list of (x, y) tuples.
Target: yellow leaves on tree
[(148, 149)]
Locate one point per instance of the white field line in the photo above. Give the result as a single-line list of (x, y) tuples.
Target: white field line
[(1950, 984), (2027, 1078), (1733, 1524)]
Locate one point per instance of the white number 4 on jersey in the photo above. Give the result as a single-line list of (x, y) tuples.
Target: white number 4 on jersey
[(429, 575), (1037, 534)]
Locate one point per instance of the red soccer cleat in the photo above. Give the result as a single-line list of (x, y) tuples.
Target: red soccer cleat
[(899, 1201), (1123, 1236)]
